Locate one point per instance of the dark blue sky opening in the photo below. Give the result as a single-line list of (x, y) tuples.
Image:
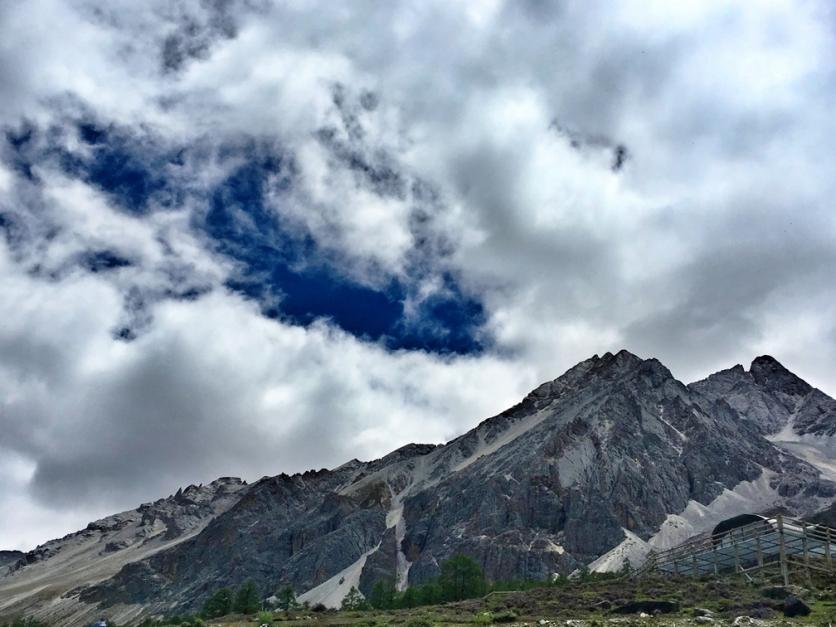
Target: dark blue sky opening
[(278, 264)]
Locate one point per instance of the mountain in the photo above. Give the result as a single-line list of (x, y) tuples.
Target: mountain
[(7, 558), (786, 409), (43, 580), (610, 460)]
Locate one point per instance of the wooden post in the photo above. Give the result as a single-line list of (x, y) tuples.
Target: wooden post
[(714, 555), (804, 545), (827, 550), (736, 553), (675, 567), (694, 567), (782, 555), (760, 556)]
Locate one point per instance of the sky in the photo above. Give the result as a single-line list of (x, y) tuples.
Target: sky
[(248, 237)]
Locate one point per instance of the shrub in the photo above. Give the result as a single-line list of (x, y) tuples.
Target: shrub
[(264, 617), (505, 617)]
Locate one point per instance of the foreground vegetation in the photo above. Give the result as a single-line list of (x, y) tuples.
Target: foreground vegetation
[(588, 601), (591, 603)]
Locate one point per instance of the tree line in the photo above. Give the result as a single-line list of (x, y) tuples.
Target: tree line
[(461, 578)]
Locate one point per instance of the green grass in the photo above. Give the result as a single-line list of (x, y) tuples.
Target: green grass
[(591, 602)]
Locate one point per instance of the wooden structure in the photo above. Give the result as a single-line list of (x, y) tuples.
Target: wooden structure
[(780, 545)]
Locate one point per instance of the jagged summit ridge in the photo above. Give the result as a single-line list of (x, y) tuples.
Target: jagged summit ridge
[(773, 398), (616, 450)]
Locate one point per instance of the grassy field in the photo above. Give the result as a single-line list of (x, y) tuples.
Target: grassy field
[(595, 604)]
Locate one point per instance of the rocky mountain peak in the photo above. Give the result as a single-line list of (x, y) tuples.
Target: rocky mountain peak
[(623, 360), (770, 373), (774, 399)]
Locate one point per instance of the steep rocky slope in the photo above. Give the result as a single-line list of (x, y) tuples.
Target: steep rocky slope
[(45, 581), (8, 558), (608, 461), (773, 398), (786, 409)]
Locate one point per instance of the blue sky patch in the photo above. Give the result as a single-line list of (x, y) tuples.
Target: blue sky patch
[(294, 280), (134, 178), (278, 264)]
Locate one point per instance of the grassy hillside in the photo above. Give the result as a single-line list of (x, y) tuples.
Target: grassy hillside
[(594, 604)]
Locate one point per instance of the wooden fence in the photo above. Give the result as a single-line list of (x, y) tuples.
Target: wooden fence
[(780, 544)]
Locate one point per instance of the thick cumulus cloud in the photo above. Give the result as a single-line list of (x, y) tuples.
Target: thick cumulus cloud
[(251, 237)]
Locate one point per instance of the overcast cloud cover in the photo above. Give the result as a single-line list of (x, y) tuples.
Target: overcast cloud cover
[(248, 237)]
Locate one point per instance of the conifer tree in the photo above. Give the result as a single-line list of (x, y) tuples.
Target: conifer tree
[(247, 600)]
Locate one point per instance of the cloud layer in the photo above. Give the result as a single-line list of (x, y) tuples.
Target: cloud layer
[(252, 237)]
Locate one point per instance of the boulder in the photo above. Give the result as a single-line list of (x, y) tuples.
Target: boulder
[(793, 606), (648, 607)]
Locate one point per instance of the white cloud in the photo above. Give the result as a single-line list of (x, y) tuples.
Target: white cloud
[(712, 244), (212, 389)]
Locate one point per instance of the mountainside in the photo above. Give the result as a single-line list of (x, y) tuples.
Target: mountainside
[(7, 558), (608, 461), (786, 409), (45, 579)]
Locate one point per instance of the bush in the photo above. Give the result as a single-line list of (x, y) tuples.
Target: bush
[(264, 617), (505, 617)]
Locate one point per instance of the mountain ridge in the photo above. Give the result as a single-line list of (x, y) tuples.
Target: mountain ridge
[(606, 461)]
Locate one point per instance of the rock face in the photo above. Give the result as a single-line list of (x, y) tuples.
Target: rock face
[(54, 570), (8, 558), (773, 398), (613, 457), (787, 410)]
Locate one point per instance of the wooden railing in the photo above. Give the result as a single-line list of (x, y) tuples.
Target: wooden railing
[(774, 543)]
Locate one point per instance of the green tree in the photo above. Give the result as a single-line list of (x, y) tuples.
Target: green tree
[(286, 598), (247, 600), (429, 593), (626, 567), (461, 578), (219, 604), (409, 598), (354, 600), (382, 596)]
